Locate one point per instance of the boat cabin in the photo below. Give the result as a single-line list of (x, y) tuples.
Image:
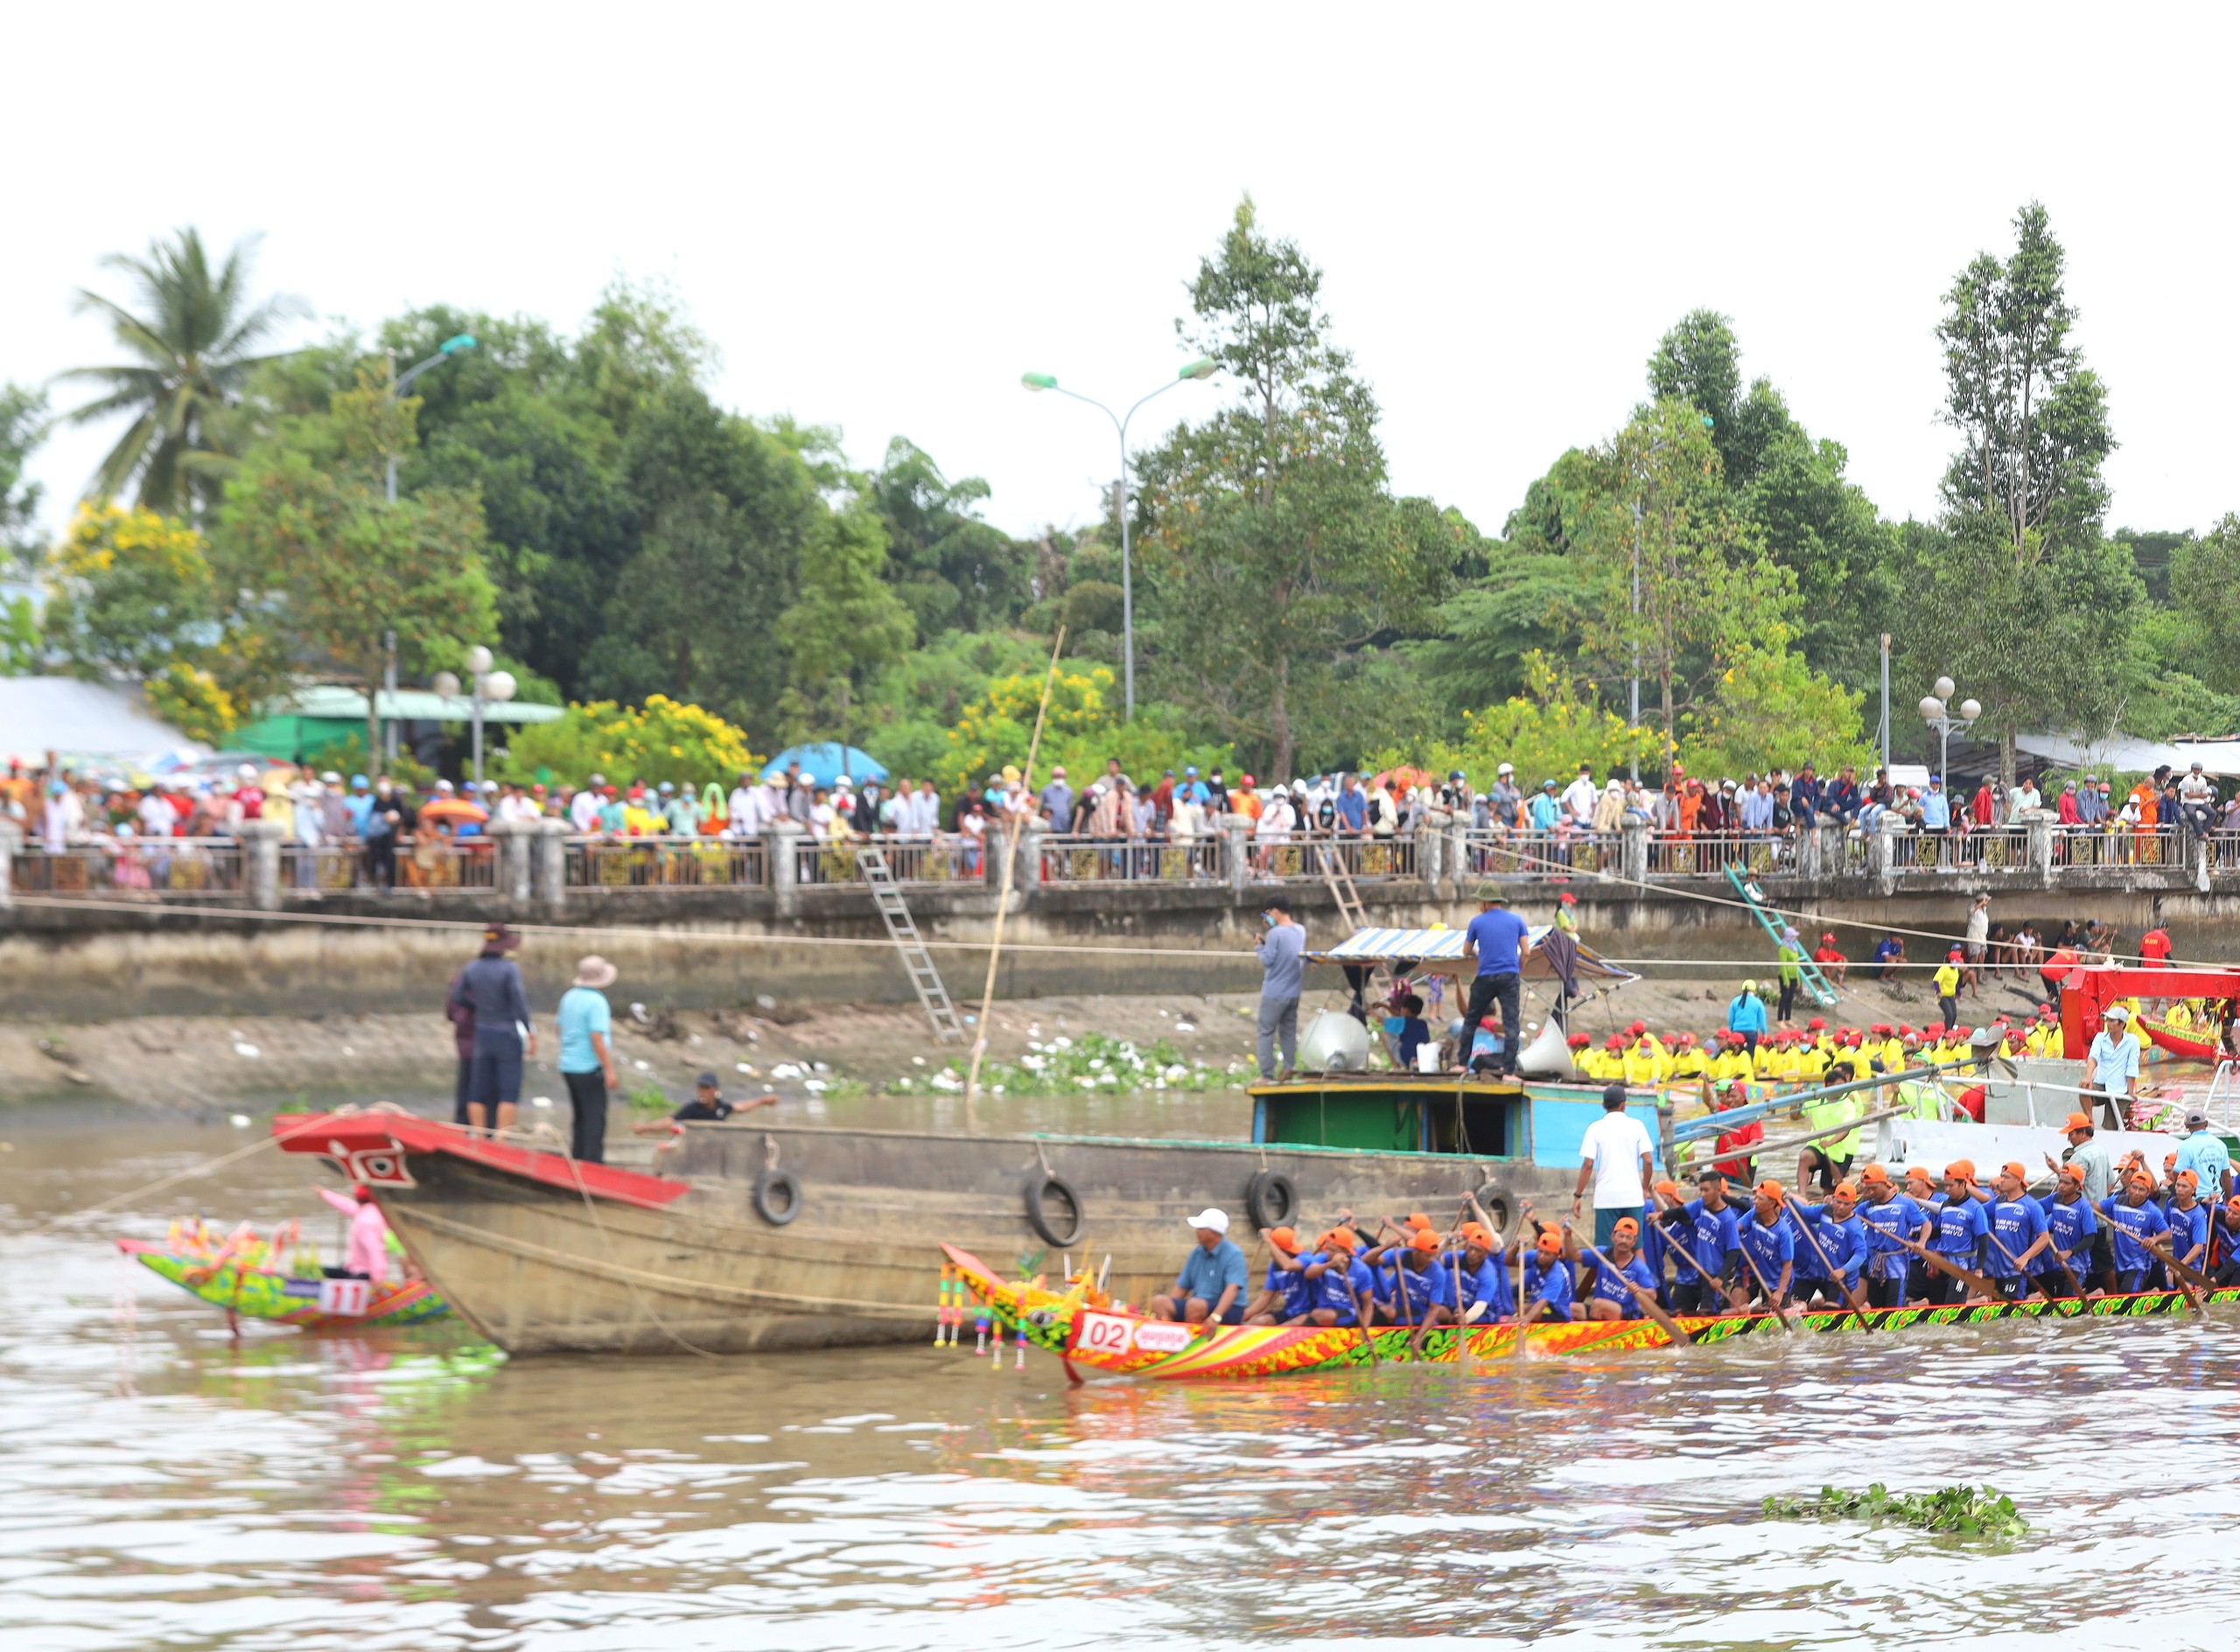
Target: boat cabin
[(1478, 1116)]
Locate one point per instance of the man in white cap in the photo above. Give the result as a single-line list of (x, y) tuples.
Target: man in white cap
[(2111, 1065), (587, 1055), (1211, 1285)]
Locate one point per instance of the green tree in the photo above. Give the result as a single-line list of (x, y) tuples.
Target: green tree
[(304, 526), (1660, 523), (845, 627), (952, 569), (23, 427), (1274, 545), (2204, 572), (1769, 709), (193, 345), (2033, 416), (1547, 731)]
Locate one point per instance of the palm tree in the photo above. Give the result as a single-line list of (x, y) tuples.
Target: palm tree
[(192, 346)]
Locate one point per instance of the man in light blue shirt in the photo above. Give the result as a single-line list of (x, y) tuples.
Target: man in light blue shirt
[(1282, 967), (2205, 1155), (1936, 807), (2111, 1065), (1546, 809), (1352, 806), (361, 805), (1211, 1284), (587, 1055)]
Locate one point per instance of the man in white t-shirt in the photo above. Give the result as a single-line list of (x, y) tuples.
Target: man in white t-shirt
[(1580, 797), (1614, 1154)]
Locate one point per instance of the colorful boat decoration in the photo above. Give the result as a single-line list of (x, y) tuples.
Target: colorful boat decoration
[(238, 1273), (1074, 1326), (2188, 1044)]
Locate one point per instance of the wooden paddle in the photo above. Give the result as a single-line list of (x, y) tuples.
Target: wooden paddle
[(1973, 1280), (1360, 1316), (1650, 1306), (2191, 1282), (1767, 1285), (1858, 1301), (2016, 1261)]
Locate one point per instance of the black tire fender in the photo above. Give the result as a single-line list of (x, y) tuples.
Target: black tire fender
[(1270, 1200), (1039, 1187), (777, 1197)]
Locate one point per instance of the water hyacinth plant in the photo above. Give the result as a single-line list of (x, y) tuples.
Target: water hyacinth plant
[(1969, 1510), (1092, 1063)]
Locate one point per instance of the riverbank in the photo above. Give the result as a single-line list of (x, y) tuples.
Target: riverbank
[(805, 1051)]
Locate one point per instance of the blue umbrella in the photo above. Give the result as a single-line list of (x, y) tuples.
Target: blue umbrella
[(826, 762)]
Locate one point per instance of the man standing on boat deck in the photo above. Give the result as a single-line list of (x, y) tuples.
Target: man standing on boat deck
[(2204, 1154), (1284, 970), (1211, 1284), (587, 1056), (2111, 1065), (1615, 1153), (492, 985), (1500, 941)]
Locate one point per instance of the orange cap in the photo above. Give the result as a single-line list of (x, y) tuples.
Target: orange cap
[(1844, 1190), (1920, 1173), (1419, 1221), (1626, 1228), (1424, 1240), (1876, 1174), (2013, 1167), (1670, 1189), (1964, 1168), (1770, 1190), (2188, 1179), (1285, 1239), (1341, 1237), (1549, 1244), (2139, 1179), (1475, 1234), (2074, 1173), (2076, 1121)]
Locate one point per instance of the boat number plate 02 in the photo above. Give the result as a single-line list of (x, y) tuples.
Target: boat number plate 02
[(346, 1299), (1116, 1333)]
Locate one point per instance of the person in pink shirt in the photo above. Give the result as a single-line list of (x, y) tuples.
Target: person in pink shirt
[(368, 1256), (2067, 808)]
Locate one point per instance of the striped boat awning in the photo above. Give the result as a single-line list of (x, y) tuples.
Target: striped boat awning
[(1442, 946)]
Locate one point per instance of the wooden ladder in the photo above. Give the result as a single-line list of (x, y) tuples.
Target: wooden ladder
[(902, 929), (1341, 884)]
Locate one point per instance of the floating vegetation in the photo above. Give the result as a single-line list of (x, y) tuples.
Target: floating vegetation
[(1094, 1061), (1969, 1510)]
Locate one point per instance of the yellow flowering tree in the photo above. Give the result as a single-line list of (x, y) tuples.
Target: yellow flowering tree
[(1547, 732), (1082, 730), (661, 741)]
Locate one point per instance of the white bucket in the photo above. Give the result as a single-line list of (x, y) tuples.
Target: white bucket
[(1427, 1057)]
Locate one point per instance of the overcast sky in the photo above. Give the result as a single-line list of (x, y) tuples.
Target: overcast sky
[(882, 215)]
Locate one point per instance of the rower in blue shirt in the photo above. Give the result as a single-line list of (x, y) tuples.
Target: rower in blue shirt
[(1288, 1297), (1704, 1243), (2133, 1219), (1610, 1276), (2017, 1224), (1343, 1282), (1413, 1290), (1548, 1278), (1487, 1298), (1890, 1218), (1769, 1245), (2189, 1219), (1963, 1234), (1842, 1237), (2070, 1227)]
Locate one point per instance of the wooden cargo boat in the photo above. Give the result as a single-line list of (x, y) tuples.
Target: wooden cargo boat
[(772, 1236), (1120, 1342)]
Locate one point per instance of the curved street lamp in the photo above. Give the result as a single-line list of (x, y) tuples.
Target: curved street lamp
[(1936, 708), (1204, 367)]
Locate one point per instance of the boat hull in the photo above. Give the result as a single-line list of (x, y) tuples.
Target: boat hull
[(541, 1256), (1105, 1340), (259, 1293)]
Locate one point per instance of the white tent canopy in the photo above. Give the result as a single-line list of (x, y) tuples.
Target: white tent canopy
[(38, 715), (2123, 754)]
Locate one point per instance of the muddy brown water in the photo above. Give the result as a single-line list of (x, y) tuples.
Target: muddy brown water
[(164, 1485)]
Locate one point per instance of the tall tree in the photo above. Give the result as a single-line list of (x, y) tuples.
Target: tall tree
[(1278, 549), (305, 526), (847, 624), (1678, 578), (23, 427), (953, 570), (2033, 416), (195, 343), (2204, 573)]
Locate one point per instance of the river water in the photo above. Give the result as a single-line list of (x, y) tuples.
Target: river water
[(163, 1485)]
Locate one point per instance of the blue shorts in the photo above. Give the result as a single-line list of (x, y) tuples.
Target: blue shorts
[(497, 1076)]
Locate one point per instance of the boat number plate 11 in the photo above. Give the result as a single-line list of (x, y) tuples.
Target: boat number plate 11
[(1116, 1333), (345, 1298)]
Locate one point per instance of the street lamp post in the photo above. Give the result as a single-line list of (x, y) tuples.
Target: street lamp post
[(398, 383), (1203, 367), (1936, 710), (490, 687)]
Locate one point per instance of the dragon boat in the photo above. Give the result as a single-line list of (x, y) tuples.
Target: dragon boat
[(1083, 1329), (241, 1274)]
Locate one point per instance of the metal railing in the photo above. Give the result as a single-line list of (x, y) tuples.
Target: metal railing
[(944, 858), (426, 861), (319, 869), (2113, 844), (1709, 854), (1364, 859), (592, 864), (1073, 858), (144, 868)]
